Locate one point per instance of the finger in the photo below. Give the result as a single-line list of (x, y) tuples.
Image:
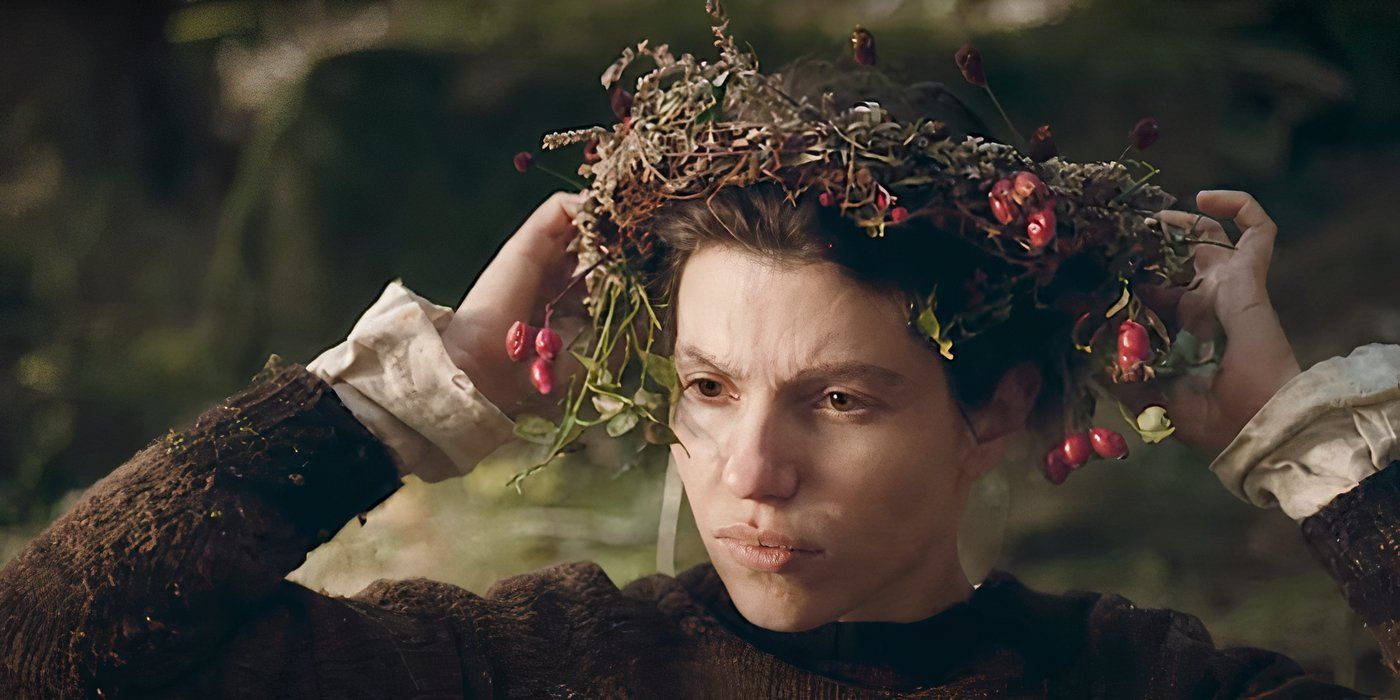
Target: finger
[(548, 231), (531, 264), (1162, 298), (1196, 313), (1203, 227), (1258, 230)]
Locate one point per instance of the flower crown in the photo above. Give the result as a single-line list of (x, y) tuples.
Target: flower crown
[(692, 128)]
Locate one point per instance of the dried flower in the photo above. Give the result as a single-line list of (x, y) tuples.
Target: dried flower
[(621, 102), (970, 63), (863, 46), (523, 160), (1144, 133), (1043, 145), (590, 151)]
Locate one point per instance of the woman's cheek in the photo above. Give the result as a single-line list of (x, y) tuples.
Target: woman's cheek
[(700, 429)]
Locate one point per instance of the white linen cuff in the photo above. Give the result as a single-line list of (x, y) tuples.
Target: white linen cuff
[(394, 374), (1324, 432)]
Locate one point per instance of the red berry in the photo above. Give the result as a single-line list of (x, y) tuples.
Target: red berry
[(1056, 468), (621, 103), (898, 214), (1076, 449), (547, 343), (523, 160), (1000, 199), (1026, 187), (882, 199), (1040, 227), (970, 63), (1133, 341), (1144, 133), (1043, 145), (863, 46), (520, 340), (542, 375), (1108, 444), (826, 199)]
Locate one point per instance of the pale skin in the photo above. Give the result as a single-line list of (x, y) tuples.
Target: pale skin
[(809, 409)]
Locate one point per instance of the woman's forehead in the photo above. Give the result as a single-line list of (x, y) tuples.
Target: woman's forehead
[(734, 309)]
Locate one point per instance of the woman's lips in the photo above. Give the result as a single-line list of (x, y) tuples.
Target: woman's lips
[(764, 550)]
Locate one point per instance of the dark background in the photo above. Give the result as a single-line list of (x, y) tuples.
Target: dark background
[(186, 187)]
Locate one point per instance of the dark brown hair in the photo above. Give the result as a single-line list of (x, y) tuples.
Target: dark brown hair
[(907, 262)]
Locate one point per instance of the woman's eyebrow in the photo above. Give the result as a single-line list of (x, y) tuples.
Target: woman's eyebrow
[(832, 371), (853, 371), (698, 356)]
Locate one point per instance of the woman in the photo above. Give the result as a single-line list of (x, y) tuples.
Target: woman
[(827, 453)]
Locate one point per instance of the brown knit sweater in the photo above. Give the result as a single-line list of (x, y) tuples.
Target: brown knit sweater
[(167, 580)]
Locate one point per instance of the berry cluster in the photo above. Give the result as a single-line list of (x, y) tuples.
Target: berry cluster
[(523, 339), (1024, 199), (1078, 448)]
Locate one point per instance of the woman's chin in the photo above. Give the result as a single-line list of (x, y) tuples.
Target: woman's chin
[(779, 613)]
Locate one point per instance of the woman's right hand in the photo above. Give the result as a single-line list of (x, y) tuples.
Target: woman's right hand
[(532, 268)]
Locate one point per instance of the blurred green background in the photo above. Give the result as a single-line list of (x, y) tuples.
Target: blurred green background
[(186, 187)]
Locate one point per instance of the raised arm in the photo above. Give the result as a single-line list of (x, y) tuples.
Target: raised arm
[(1324, 451), (1320, 445), (169, 555), (168, 577)]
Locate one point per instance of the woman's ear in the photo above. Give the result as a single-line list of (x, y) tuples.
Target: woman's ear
[(1010, 406)]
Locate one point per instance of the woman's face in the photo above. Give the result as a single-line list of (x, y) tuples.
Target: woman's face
[(815, 420)]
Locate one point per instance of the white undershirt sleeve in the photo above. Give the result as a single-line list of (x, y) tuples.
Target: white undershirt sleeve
[(1323, 433), (393, 372)]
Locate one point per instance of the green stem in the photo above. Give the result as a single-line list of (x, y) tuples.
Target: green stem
[(1004, 116), (571, 182)]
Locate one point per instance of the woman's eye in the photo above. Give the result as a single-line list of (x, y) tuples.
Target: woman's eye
[(709, 388), (841, 401)]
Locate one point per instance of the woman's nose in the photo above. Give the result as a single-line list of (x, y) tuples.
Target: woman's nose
[(761, 464)]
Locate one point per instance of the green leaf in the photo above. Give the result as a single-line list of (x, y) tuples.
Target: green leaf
[(1122, 302), (659, 434), (928, 323), (588, 363), (536, 429), (621, 423), (661, 369), (649, 400), (607, 405), (1152, 425)]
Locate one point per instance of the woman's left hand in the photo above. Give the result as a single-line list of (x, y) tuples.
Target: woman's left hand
[(1229, 287)]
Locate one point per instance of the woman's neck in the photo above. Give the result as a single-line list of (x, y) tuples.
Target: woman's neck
[(923, 592)]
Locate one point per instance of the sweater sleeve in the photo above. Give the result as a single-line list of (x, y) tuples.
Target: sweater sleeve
[(1324, 450), (168, 576)]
